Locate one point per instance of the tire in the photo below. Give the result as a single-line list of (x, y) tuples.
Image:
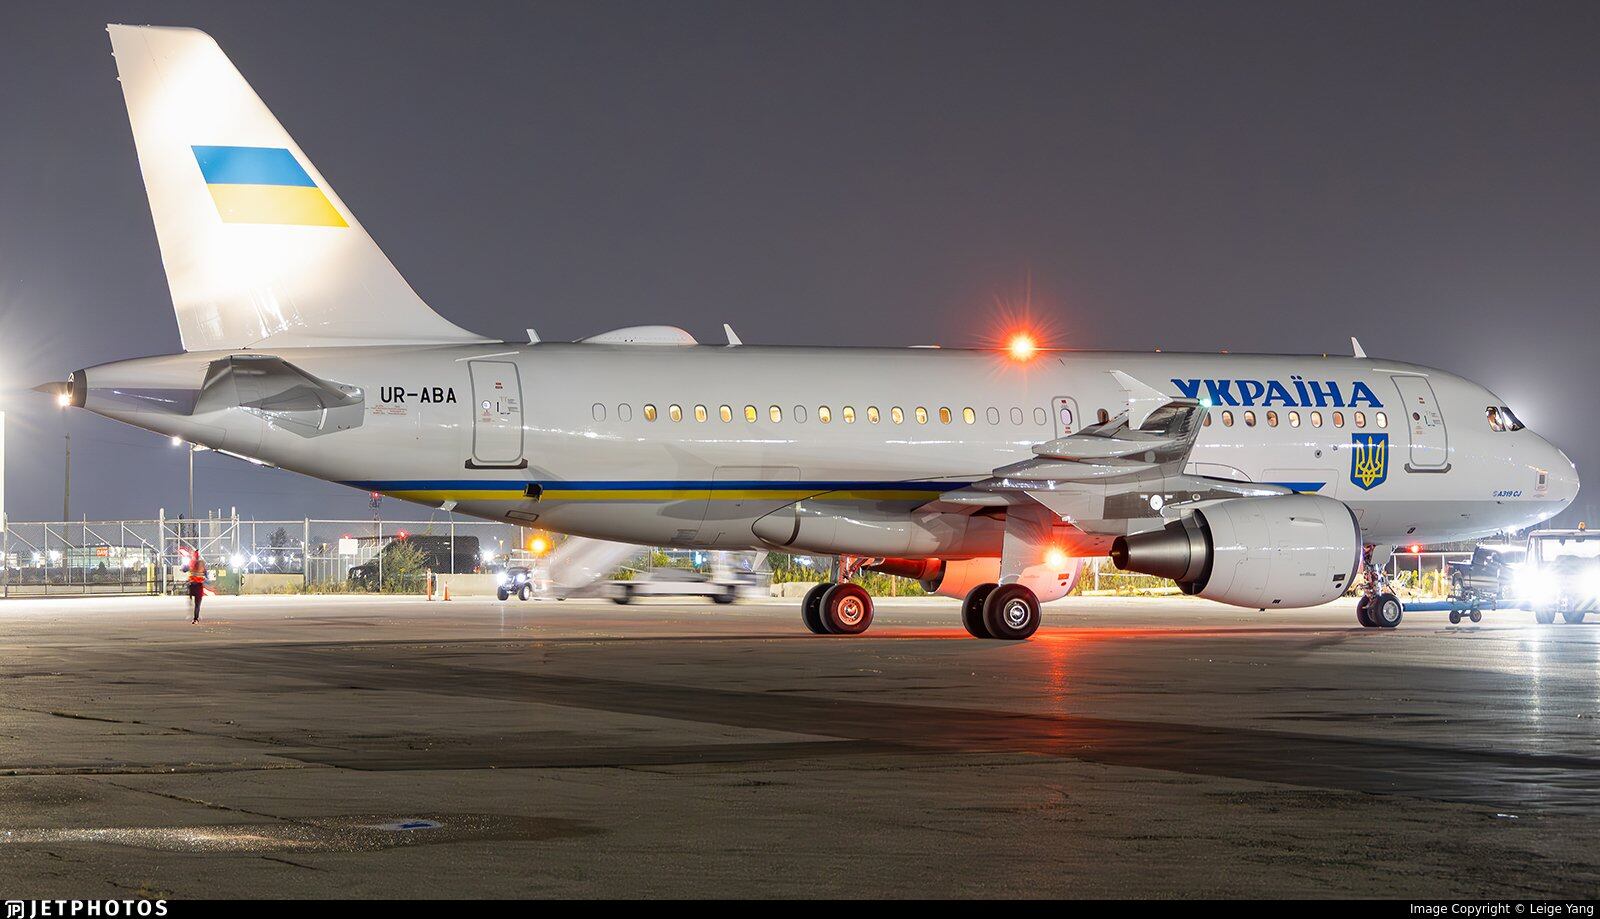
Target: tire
[(1011, 612), (727, 596), (1477, 615), (525, 591), (972, 610), (501, 592), (624, 596), (1387, 610), (1573, 616), (846, 609), (1362, 602), (811, 609), (1455, 618), (1544, 616)]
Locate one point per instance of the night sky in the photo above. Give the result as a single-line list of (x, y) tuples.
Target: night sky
[(1256, 177)]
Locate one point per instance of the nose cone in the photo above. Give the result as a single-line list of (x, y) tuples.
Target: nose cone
[(1563, 479)]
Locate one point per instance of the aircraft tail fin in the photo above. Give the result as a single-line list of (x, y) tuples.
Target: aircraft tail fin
[(257, 246)]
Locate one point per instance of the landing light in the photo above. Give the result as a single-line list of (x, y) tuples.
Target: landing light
[(538, 545), (1022, 346), (1055, 558), (63, 400)]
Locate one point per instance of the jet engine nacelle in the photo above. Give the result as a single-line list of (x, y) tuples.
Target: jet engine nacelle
[(1283, 551), (955, 578)]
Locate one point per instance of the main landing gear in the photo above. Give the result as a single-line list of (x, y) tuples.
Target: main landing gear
[(838, 607), (1006, 611), (1377, 607)]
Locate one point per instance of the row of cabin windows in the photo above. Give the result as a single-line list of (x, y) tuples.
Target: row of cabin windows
[(969, 415), (825, 414), (1358, 419)]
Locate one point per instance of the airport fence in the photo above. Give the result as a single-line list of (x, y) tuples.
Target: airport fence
[(110, 557)]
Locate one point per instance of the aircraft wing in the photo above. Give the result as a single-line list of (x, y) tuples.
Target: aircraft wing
[(1122, 476)]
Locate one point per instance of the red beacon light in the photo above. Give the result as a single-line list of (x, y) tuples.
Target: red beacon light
[(1021, 347)]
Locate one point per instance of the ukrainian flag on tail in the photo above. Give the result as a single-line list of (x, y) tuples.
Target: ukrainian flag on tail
[(264, 185)]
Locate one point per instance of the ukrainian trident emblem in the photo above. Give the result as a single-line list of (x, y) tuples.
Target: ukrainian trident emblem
[(1369, 459)]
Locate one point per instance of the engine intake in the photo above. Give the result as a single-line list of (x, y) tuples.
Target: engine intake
[(1284, 551)]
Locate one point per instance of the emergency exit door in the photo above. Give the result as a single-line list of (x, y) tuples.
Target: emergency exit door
[(1430, 443), (496, 416), (1065, 411)]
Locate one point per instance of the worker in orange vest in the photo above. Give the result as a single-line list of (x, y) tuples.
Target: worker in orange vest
[(197, 581)]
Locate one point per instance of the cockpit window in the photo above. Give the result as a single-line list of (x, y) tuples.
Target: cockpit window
[(1503, 419)]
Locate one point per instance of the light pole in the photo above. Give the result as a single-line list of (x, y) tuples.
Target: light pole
[(66, 483), (178, 442)]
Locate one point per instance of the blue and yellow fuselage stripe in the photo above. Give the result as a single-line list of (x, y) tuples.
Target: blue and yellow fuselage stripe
[(643, 491), (264, 185)]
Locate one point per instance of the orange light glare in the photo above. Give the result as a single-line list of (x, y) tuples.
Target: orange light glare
[(1022, 346), (538, 545), (1055, 558)]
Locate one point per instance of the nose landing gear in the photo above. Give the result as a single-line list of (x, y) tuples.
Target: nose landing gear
[(1377, 607)]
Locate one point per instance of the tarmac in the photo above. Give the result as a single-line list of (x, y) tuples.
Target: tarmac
[(394, 747)]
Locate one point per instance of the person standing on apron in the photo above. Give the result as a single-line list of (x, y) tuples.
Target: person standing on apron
[(197, 582)]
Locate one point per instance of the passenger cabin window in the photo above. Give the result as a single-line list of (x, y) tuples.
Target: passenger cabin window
[(1040, 416), (800, 413), (922, 415), (1066, 418), (1272, 419), (624, 411), (1104, 416), (725, 413), (1316, 419), (750, 414), (1205, 420), (1249, 419), (968, 415), (700, 413), (993, 414), (896, 415), (944, 414), (848, 414), (775, 413), (1382, 419), (1016, 415), (1338, 419), (1294, 419), (675, 412), (1227, 419), (598, 411), (1360, 419), (824, 414), (872, 414), (649, 413)]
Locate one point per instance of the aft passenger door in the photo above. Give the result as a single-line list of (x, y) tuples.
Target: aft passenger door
[(1430, 443), (496, 416)]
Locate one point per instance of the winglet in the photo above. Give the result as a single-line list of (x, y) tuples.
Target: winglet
[(1355, 346), (1143, 399), (533, 336), (733, 339)]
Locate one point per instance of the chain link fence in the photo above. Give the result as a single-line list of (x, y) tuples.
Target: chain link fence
[(110, 557)]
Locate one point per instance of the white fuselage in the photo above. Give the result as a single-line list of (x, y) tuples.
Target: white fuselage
[(608, 441)]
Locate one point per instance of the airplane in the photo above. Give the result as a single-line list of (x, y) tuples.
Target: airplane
[(1262, 481)]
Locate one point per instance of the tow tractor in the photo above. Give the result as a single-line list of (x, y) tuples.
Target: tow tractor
[(1561, 575), (1557, 572)]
